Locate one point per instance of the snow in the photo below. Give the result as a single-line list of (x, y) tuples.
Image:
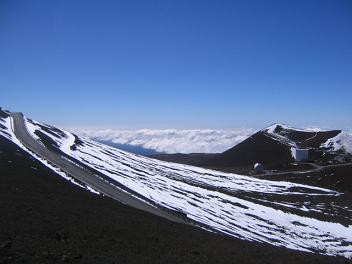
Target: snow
[(271, 129), (271, 132), (280, 213), (293, 152), (64, 142), (342, 141), (31, 129), (11, 136), (6, 131), (67, 143)]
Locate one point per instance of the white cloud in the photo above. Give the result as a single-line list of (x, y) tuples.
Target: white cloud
[(172, 140)]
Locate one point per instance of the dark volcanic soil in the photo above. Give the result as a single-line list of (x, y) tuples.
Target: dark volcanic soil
[(260, 147), (257, 148), (45, 219)]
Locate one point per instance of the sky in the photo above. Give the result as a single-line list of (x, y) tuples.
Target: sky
[(178, 64)]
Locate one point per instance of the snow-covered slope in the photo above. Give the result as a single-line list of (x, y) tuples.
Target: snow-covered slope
[(7, 132), (280, 213), (342, 141), (278, 135)]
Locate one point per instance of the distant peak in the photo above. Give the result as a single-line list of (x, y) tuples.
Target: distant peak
[(273, 127), (280, 126)]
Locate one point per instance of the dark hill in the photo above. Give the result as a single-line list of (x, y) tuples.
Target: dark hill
[(304, 139), (257, 148), (270, 146)]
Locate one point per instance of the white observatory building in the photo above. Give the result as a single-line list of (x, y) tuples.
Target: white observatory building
[(300, 154), (258, 168)]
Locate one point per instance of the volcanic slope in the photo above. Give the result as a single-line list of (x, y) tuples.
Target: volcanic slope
[(271, 146), (63, 223), (284, 214)]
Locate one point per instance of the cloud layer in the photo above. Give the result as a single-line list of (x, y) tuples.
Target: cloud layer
[(172, 140)]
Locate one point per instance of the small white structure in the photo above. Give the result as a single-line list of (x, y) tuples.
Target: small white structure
[(258, 168), (300, 154)]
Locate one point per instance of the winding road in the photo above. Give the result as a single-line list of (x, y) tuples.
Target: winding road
[(316, 168), (81, 174)]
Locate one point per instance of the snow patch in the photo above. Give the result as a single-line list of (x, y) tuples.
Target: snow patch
[(342, 141), (8, 123), (64, 143), (271, 129), (293, 152), (5, 128)]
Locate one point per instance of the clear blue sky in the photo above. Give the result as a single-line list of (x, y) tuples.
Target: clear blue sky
[(178, 64)]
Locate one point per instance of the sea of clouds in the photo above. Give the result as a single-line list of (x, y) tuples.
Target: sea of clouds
[(172, 140)]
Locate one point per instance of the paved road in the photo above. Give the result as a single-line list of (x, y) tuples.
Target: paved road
[(85, 176), (315, 169)]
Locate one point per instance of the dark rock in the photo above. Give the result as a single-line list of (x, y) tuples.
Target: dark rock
[(78, 256), (6, 245), (64, 258)]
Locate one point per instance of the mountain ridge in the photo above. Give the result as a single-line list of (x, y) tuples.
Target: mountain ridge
[(271, 146)]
